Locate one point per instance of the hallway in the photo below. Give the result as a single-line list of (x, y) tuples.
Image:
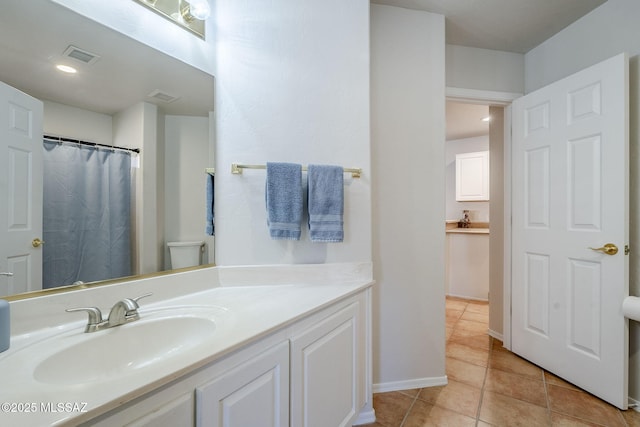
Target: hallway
[(490, 386)]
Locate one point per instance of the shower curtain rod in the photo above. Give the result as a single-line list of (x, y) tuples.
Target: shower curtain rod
[(91, 144)]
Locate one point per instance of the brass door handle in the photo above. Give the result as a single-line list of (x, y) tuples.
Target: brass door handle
[(37, 242), (609, 249)]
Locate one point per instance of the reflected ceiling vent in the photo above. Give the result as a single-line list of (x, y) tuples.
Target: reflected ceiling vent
[(81, 55), (161, 96)]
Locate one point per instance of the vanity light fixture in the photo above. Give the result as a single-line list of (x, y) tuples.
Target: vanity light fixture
[(195, 9), (188, 14), (66, 69)]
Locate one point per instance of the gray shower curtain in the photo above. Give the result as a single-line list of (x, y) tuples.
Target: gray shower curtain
[(86, 214)]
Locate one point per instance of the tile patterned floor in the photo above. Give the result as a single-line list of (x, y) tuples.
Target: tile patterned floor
[(490, 386)]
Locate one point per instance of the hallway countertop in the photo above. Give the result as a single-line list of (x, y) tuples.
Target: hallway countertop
[(468, 230)]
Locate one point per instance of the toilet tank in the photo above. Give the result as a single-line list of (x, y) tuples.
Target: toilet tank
[(185, 254)]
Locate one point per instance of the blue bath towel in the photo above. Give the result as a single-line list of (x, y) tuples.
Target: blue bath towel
[(209, 226), (326, 203), (283, 194)]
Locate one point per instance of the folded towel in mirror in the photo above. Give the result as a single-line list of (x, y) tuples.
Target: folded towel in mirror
[(326, 203), (283, 195)]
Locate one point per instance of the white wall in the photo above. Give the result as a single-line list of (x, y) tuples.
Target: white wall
[(136, 127), (77, 123), (291, 85), (186, 141), (407, 145), (478, 211), (484, 69), (496, 214), (606, 31)]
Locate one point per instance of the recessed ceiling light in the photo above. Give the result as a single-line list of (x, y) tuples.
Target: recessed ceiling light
[(487, 119), (66, 69)]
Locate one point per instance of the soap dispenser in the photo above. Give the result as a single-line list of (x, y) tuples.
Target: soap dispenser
[(5, 326)]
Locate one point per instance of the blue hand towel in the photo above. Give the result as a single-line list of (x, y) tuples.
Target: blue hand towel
[(284, 200), (209, 227), (326, 203)]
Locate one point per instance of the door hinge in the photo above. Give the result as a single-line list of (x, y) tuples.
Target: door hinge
[(627, 250)]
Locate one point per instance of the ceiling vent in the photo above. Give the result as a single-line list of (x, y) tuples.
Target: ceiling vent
[(81, 55), (158, 95)]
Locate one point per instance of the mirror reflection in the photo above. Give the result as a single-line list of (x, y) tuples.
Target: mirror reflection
[(121, 171)]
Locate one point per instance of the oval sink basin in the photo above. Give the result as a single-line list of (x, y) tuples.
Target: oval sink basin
[(123, 349)]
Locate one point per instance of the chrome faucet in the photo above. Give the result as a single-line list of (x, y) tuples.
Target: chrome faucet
[(124, 311)]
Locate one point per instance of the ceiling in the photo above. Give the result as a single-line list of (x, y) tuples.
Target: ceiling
[(508, 25), (127, 72), (465, 120)]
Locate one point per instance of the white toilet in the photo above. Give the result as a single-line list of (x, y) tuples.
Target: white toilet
[(185, 254)]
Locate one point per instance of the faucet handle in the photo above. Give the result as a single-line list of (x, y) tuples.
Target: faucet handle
[(136, 299), (95, 317)]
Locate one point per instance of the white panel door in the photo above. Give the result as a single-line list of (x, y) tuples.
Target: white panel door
[(20, 191), (570, 193)]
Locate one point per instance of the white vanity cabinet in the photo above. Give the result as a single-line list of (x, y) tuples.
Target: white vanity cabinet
[(311, 372), (256, 393), (327, 363), (472, 176)]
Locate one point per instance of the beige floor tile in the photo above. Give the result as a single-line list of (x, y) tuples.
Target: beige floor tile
[(465, 372), (468, 325), (631, 417), (472, 339), (509, 362), (431, 394), (561, 420), (458, 397), (478, 307), (552, 379), (424, 414), (447, 333), (455, 304), (476, 356), (497, 345), (506, 411), (584, 406), (516, 386), (391, 407), (412, 392), (475, 317)]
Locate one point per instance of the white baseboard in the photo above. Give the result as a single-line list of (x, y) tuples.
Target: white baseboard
[(634, 404), (468, 297), (365, 417), (410, 384), (495, 335)]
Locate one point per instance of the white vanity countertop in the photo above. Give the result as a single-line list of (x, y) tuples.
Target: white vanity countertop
[(245, 314)]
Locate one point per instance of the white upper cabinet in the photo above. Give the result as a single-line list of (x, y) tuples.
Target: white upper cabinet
[(472, 176)]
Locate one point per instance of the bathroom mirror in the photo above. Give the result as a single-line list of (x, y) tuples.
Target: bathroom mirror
[(36, 35)]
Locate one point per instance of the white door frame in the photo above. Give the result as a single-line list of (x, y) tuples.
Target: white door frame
[(495, 98)]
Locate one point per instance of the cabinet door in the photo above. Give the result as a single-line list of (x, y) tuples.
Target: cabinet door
[(166, 409), (326, 365), (176, 413), (472, 176), (253, 394)]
